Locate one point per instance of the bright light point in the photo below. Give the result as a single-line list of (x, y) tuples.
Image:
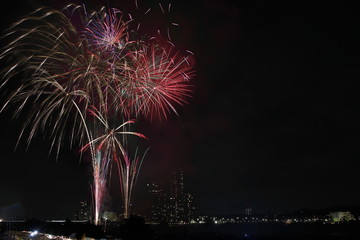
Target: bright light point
[(49, 236), (34, 233)]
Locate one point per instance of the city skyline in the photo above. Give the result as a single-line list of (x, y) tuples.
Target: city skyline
[(273, 121)]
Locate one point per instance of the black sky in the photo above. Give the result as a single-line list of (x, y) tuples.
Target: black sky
[(273, 122)]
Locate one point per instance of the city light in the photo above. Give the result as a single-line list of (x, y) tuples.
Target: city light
[(49, 236), (34, 233)]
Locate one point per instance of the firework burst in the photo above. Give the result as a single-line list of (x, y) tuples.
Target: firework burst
[(92, 77)]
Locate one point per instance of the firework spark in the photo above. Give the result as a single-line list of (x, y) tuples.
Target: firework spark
[(88, 79)]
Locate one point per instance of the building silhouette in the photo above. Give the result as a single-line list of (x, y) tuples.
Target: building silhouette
[(171, 203), (84, 213), (157, 198), (248, 210)]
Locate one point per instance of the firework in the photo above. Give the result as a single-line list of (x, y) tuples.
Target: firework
[(157, 80), (87, 77)]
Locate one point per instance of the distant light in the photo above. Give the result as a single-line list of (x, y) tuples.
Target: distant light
[(34, 233), (1, 219)]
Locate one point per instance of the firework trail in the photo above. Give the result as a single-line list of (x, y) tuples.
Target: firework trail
[(86, 76)]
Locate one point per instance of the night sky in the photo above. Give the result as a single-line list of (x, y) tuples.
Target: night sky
[(273, 122)]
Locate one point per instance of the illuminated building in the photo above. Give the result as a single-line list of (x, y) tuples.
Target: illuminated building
[(189, 207), (177, 195), (157, 198), (174, 206), (248, 210), (84, 213)]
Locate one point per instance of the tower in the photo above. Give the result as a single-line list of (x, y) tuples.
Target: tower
[(84, 213), (172, 204), (248, 210), (177, 195), (189, 207), (157, 198)]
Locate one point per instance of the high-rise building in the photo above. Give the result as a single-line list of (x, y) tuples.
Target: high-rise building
[(177, 194), (84, 213), (175, 206), (189, 207), (157, 198), (248, 209)]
